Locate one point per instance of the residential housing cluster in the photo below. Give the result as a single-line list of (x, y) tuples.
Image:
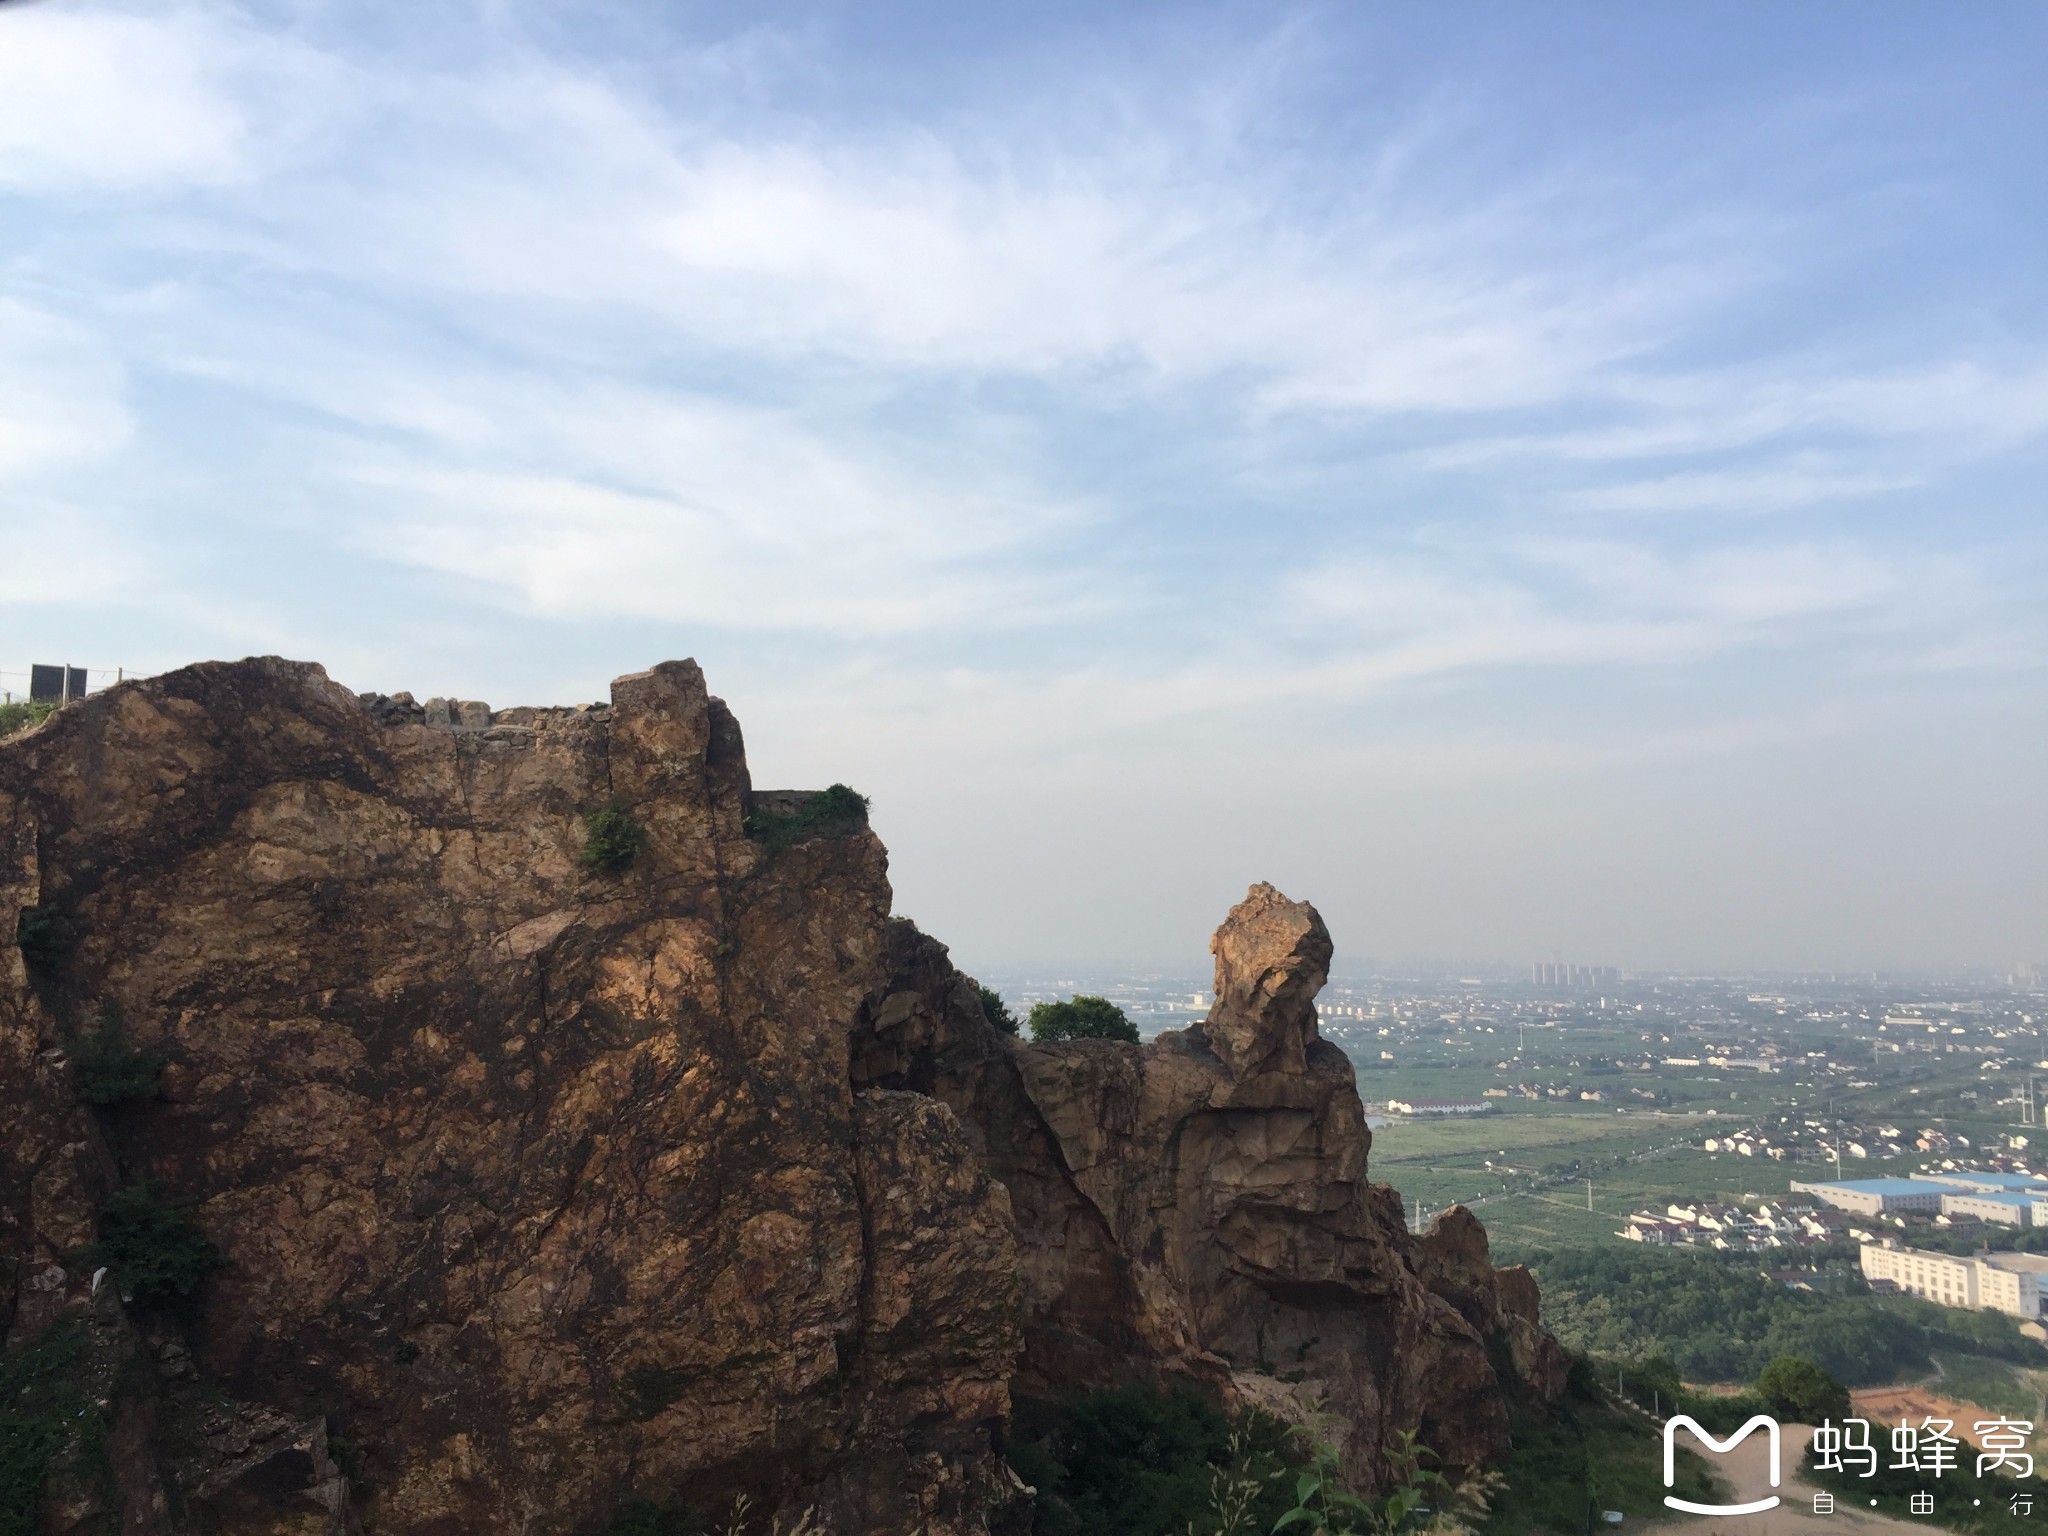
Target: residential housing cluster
[(1806, 1141), (1856, 1209), (1730, 1227)]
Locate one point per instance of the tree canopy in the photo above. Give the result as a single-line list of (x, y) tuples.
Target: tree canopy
[(1801, 1391), (1081, 1018), (1717, 1319)]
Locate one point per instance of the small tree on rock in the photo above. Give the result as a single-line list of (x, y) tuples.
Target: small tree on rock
[(1081, 1018), (995, 1010)]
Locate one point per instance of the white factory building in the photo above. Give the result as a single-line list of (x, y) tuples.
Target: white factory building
[(2004, 1282)]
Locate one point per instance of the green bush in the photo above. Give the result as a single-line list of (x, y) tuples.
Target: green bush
[(1081, 1018), (995, 1010), (1324, 1503), (644, 1517), (836, 811), (23, 713), (44, 1415), (44, 937), (1585, 1456), (1800, 1391), (346, 1456), (157, 1253), (612, 839), (1138, 1461), (108, 1069)]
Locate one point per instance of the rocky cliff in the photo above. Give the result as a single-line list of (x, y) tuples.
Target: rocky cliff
[(537, 1185), (1199, 1205)]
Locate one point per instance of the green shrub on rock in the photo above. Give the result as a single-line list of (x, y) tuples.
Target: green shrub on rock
[(45, 1415), (157, 1252), (44, 937), (995, 1010), (612, 839), (1140, 1461), (23, 713), (1081, 1018), (833, 812), (109, 1069)]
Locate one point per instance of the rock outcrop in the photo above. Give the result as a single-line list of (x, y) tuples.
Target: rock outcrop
[(539, 1186), (1199, 1205)]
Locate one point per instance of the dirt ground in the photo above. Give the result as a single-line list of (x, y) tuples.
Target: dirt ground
[(1747, 1471), (1912, 1403)]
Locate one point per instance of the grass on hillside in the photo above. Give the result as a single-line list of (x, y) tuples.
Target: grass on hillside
[(1995, 1384), (1588, 1455)]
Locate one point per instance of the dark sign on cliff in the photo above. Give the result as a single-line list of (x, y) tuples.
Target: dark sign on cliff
[(56, 685)]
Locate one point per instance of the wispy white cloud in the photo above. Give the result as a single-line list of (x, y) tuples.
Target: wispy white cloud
[(95, 100), (1931, 415), (1779, 488), (1076, 236), (759, 528), (56, 554), (576, 232), (61, 391)]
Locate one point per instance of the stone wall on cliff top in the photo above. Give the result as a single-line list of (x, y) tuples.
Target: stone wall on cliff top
[(542, 1187)]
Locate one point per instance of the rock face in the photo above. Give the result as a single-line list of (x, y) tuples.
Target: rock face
[(1272, 958), (1199, 1206), (540, 1187)]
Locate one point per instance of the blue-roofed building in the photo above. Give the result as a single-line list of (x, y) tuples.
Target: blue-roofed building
[(1880, 1197), (1994, 1183), (1990, 1205)]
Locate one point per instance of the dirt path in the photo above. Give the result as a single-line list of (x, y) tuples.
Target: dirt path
[(1747, 1471)]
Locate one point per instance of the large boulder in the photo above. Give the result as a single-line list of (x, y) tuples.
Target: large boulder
[(1272, 958)]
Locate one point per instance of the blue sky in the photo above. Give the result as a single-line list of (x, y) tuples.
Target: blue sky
[(1528, 479)]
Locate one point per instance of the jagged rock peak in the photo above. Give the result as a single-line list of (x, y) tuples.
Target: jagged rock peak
[(1272, 958)]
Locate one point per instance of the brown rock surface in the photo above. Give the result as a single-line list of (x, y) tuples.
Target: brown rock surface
[(540, 1187), (1199, 1206)]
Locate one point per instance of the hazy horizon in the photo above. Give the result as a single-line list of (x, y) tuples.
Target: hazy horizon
[(1530, 484)]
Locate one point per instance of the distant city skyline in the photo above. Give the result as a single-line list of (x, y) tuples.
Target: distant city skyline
[(1532, 483)]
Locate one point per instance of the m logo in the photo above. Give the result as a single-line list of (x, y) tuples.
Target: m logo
[(1671, 1426)]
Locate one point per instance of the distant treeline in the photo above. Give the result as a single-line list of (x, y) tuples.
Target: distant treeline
[(1716, 1319)]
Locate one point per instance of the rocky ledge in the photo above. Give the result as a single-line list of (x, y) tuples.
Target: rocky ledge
[(537, 1186)]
